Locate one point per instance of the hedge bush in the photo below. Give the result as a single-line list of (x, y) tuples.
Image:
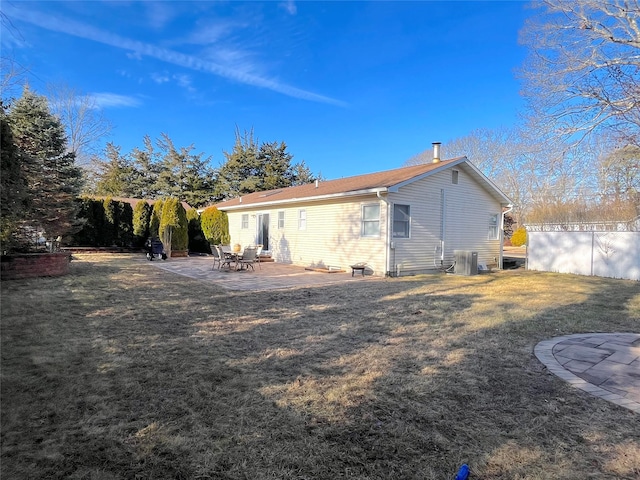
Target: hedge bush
[(197, 241), (174, 226), (215, 226), (154, 222), (519, 237), (141, 218)]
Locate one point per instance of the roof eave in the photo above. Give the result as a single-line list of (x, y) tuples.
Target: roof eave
[(317, 198)]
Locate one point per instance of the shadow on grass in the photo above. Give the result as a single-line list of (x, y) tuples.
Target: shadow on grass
[(150, 375)]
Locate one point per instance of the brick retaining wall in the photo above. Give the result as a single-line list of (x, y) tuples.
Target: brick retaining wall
[(30, 265)]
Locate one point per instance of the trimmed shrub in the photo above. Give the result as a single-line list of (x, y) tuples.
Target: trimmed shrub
[(118, 223), (141, 218), (519, 237), (91, 214), (174, 229), (110, 231), (197, 241), (215, 226), (124, 224), (156, 215)]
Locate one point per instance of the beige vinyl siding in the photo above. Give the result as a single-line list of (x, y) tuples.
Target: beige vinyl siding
[(331, 237), (467, 207)]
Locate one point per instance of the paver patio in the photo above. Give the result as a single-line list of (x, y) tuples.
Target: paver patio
[(607, 365), (267, 276)]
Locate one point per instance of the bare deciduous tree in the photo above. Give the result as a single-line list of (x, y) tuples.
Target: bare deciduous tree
[(519, 166), (583, 70), (83, 119)]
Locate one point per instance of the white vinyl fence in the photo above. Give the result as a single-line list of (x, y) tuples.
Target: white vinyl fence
[(603, 254)]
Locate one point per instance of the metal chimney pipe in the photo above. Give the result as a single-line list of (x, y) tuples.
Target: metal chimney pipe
[(436, 152)]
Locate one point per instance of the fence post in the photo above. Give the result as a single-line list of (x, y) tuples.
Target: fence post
[(593, 239)]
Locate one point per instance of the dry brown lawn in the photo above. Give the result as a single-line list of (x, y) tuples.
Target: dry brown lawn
[(124, 371)]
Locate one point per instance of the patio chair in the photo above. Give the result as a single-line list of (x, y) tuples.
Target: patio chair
[(248, 258), (258, 252), (217, 257), (226, 257)]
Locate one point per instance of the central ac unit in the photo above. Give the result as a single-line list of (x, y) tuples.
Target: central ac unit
[(466, 262)]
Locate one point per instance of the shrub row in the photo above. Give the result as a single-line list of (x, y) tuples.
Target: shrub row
[(107, 223)]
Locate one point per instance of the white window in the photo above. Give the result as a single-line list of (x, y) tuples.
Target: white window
[(493, 226), (454, 177), (401, 221), (281, 219), (245, 221), (302, 219), (371, 220)]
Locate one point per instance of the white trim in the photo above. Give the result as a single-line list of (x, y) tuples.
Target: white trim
[(318, 198)]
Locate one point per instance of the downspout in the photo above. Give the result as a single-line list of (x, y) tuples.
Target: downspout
[(509, 208), (387, 243)]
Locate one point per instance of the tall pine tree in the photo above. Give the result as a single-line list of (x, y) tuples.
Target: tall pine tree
[(54, 181), (14, 199)]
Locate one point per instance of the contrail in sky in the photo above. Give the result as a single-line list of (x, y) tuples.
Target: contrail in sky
[(77, 29)]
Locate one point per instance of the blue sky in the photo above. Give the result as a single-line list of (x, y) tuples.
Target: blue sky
[(351, 87)]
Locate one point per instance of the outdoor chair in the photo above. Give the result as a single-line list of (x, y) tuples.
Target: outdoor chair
[(258, 252), (248, 257), (226, 257), (217, 257)]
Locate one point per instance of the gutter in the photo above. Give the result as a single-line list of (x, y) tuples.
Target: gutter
[(387, 237), (509, 208), (356, 193)]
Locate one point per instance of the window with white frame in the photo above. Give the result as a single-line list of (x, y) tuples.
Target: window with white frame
[(281, 219), (493, 227), (401, 221), (245, 221), (302, 219), (371, 220), (454, 177)]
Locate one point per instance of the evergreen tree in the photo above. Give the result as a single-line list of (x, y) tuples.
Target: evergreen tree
[(174, 225), (249, 168), (182, 174), (141, 218), (54, 181), (115, 174), (156, 217), (146, 170), (275, 163), (197, 240), (124, 231), (110, 230), (14, 200), (215, 226), (301, 175), (92, 214), (240, 173)]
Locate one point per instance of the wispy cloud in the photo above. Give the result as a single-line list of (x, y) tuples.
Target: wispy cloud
[(72, 27), (158, 13), (160, 78), (114, 100), (289, 6)]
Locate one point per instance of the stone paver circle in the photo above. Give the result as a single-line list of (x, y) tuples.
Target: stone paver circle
[(606, 365)]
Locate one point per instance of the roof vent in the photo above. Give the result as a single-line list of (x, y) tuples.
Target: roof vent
[(316, 183), (436, 152)]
